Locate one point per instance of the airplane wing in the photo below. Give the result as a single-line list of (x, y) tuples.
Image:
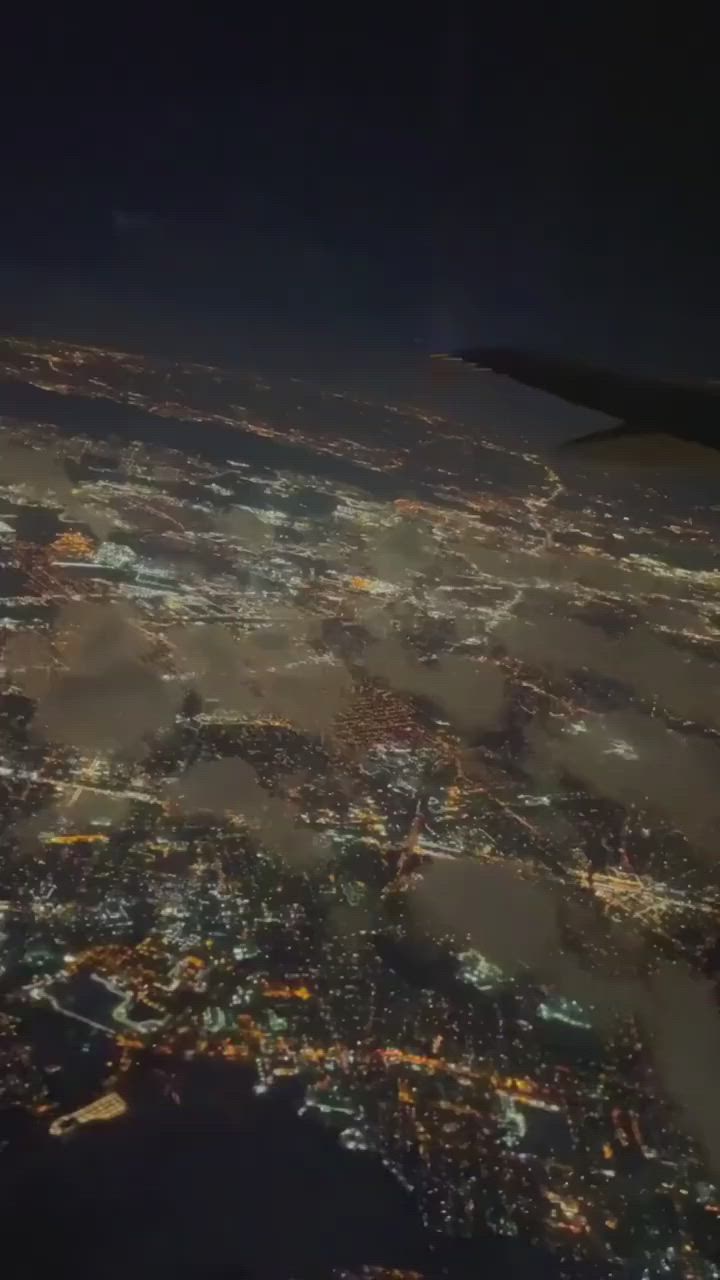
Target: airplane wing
[(685, 408)]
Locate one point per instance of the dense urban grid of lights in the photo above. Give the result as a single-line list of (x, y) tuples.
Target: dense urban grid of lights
[(282, 618)]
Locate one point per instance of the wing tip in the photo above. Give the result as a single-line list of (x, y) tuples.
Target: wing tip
[(460, 357)]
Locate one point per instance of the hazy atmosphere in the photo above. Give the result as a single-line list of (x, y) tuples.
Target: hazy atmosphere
[(360, 728)]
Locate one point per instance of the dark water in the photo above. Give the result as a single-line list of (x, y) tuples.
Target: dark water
[(202, 1189), (227, 1184)]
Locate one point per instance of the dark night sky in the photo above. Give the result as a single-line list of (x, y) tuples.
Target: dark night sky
[(375, 180)]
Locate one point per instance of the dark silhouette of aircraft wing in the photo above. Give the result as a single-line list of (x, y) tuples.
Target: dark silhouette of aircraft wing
[(689, 410)]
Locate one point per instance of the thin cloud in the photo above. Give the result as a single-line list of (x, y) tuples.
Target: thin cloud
[(36, 472), (231, 787), (405, 548), (92, 638), (273, 671), (470, 694), (311, 695), (92, 680), (212, 658), (246, 528), (685, 1029), (73, 810), (647, 665), (29, 660), (635, 760), (514, 922), (105, 711), (41, 477), (560, 566)]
